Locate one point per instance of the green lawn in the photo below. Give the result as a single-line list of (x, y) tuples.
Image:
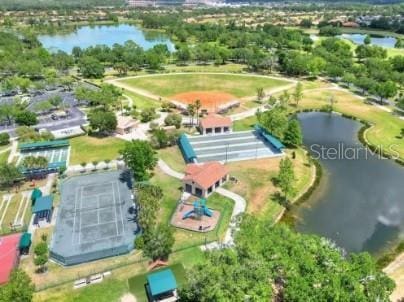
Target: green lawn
[(245, 124), (140, 101), (137, 283), (89, 148), (386, 129), (169, 85), (173, 157), (4, 157), (106, 291)]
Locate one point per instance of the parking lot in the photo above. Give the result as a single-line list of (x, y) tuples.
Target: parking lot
[(74, 116), (232, 147)]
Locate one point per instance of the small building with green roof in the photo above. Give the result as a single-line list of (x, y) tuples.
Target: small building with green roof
[(162, 286), (43, 209), (25, 243), (36, 193)]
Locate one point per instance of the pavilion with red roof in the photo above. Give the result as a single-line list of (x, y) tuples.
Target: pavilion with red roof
[(9, 255), (215, 124), (203, 179)]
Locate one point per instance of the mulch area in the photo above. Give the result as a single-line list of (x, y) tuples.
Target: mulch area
[(205, 224)]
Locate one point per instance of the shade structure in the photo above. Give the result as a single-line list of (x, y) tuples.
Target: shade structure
[(161, 282)]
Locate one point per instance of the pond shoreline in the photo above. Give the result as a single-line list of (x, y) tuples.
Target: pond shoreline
[(387, 254)]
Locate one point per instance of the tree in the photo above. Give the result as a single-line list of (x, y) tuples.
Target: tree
[(140, 157), (191, 112), (367, 40), (8, 111), (275, 121), (348, 78), (173, 119), (43, 106), (26, 118), (275, 263), (385, 90), (56, 101), (306, 23), (121, 67), (298, 93), (159, 242), (19, 288), (286, 180), (102, 121), (41, 255), (160, 138), (9, 174), (147, 115), (148, 197), (4, 139), (34, 162), (90, 67), (260, 93), (198, 106), (329, 31), (293, 135)]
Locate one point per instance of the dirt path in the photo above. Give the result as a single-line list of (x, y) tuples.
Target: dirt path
[(142, 92), (395, 270), (128, 298)]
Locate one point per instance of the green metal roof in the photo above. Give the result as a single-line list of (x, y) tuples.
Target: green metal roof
[(36, 193), (186, 148), (270, 138), (43, 203), (25, 240), (43, 145), (161, 282)]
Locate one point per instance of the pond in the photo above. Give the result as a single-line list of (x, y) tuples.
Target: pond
[(359, 203), (358, 39), (87, 36)]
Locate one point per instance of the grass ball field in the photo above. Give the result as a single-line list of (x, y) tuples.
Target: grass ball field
[(209, 88)]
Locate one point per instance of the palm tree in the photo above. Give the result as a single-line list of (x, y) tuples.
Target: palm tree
[(191, 112), (198, 106)]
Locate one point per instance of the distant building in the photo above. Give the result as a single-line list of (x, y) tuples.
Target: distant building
[(203, 179), (141, 3)]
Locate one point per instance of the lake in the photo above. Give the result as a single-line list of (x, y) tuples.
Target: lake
[(87, 36), (358, 39), (359, 203)]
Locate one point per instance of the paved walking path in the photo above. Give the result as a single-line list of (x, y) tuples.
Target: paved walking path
[(13, 152), (240, 205)]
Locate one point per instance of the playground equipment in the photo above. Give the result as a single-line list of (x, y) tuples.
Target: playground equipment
[(200, 209)]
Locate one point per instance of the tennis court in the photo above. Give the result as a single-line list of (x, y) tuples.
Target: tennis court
[(95, 218), (52, 155)]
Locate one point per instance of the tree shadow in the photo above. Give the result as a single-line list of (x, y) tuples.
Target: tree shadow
[(281, 200)]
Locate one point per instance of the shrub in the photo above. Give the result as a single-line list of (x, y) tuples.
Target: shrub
[(173, 119), (4, 139)]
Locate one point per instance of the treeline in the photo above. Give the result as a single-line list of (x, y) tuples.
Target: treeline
[(274, 263), (55, 4), (24, 63)]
